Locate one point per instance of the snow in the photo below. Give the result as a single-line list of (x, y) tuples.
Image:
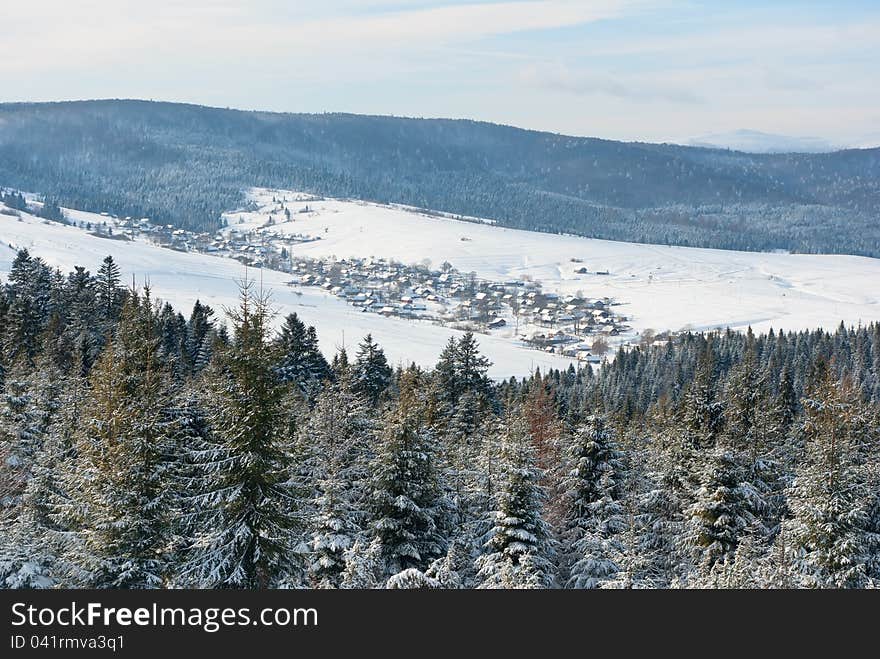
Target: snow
[(659, 287), (181, 278)]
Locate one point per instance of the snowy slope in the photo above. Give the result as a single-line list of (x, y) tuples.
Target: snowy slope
[(662, 288), (658, 287), (181, 278)]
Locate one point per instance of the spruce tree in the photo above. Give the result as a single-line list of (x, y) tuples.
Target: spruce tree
[(518, 551), (412, 579), (300, 360), (831, 533), (27, 557), (471, 367), (408, 506), (335, 532), (198, 335), (246, 510), (117, 499), (446, 375), (702, 412), (110, 294), (593, 514), (337, 442), (83, 337), (372, 374), (456, 568), (724, 508), (20, 438), (363, 566)]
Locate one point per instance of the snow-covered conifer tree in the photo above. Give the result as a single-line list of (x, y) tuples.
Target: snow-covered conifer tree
[(300, 361), (337, 442), (724, 508), (363, 566), (408, 503), (830, 536), (371, 372), (116, 488), (519, 549), (247, 512)]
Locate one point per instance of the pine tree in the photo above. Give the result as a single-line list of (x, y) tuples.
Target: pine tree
[(519, 550), (337, 442), (407, 496), (116, 487), (372, 375), (110, 295), (301, 361), (830, 532), (592, 499), (245, 508)]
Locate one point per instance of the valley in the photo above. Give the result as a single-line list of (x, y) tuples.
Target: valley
[(545, 299)]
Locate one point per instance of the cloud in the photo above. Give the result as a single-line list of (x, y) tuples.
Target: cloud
[(560, 78), (465, 22), (45, 35), (754, 39), (699, 67)]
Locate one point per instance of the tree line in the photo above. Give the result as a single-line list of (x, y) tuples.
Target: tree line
[(144, 449)]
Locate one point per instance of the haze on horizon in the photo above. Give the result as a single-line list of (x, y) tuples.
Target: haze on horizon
[(653, 70)]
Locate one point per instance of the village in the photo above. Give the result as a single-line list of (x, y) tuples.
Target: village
[(574, 326)]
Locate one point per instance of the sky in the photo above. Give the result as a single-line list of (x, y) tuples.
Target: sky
[(653, 70)]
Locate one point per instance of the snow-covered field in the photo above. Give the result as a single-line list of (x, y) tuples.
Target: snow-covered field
[(181, 278), (659, 287), (662, 288)]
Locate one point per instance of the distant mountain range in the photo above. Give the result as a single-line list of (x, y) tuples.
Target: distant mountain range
[(753, 141), (186, 164)]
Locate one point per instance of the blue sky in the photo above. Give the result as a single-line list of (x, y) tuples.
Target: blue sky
[(624, 69)]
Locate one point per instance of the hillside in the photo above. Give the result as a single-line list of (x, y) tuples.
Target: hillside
[(656, 288), (181, 278), (186, 164)]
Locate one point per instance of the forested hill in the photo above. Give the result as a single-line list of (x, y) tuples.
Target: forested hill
[(185, 164), (142, 449)]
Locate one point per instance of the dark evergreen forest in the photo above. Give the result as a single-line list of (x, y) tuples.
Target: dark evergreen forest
[(186, 164), (145, 449)]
